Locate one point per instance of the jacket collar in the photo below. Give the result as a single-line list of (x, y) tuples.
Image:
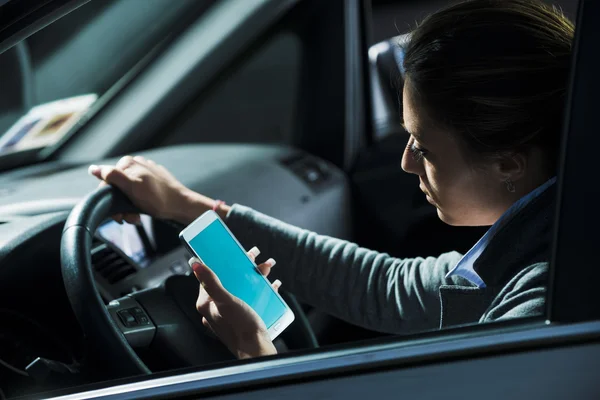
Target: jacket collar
[(523, 240)]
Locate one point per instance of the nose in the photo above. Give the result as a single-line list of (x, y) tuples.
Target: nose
[(409, 164)]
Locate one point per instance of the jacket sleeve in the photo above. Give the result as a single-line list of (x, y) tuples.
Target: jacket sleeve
[(523, 296), (364, 287)]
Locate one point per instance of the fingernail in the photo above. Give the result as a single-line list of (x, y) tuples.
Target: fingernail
[(197, 267), (254, 251), (195, 264), (277, 283), (92, 168), (271, 262)]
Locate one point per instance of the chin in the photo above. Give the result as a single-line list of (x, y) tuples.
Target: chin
[(448, 219), (471, 220)]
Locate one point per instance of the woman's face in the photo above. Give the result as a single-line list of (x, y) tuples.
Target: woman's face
[(462, 193)]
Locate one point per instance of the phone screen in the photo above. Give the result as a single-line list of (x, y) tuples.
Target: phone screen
[(220, 252)]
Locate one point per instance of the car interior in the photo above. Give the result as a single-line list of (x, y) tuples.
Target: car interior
[(289, 107)]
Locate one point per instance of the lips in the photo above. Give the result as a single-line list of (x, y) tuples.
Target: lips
[(427, 196)]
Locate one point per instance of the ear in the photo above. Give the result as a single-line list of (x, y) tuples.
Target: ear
[(510, 166)]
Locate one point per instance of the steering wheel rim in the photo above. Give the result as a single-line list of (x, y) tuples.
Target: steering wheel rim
[(89, 308), (80, 285)]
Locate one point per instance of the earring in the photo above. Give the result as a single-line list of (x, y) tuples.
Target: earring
[(510, 185)]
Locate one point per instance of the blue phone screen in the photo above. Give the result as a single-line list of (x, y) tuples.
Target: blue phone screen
[(219, 251)]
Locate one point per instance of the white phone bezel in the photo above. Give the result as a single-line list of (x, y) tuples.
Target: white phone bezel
[(201, 223)]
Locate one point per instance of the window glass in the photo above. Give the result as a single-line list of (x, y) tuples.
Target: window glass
[(53, 77)]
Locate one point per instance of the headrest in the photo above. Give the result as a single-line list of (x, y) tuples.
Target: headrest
[(387, 77)]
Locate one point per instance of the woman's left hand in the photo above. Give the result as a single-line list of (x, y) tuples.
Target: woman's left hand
[(237, 325)]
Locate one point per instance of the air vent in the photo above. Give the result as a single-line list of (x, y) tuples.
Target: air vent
[(109, 264)]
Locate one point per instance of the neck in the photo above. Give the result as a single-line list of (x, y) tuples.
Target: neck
[(528, 184), (522, 188)]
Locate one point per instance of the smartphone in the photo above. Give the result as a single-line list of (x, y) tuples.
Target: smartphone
[(209, 239)]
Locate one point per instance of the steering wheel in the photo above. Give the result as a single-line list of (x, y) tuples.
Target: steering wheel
[(157, 320)]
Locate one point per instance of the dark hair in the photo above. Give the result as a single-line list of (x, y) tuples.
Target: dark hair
[(495, 72)]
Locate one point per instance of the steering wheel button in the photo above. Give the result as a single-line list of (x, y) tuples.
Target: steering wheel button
[(127, 319), (143, 320), (136, 311)]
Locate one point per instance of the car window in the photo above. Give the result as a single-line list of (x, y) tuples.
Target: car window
[(53, 77)]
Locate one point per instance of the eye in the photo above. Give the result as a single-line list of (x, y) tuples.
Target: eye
[(418, 153)]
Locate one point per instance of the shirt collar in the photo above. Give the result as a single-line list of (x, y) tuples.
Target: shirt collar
[(464, 268)]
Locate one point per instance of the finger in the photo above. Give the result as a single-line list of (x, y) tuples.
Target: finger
[(151, 165), (253, 253), (203, 302), (213, 313), (162, 169), (140, 159), (208, 325), (210, 281), (203, 296), (276, 285), (265, 268), (133, 219), (110, 175), (125, 162), (94, 170), (157, 168), (210, 313), (118, 218)]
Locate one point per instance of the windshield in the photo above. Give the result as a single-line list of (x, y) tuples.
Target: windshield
[(59, 76)]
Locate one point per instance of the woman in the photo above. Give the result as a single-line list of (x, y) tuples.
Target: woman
[(485, 84)]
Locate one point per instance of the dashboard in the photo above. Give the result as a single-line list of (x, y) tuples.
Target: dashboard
[(309, 193)]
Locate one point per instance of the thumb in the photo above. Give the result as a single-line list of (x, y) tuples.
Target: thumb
[(209, 280)]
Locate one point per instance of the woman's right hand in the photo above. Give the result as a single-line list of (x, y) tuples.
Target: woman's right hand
[(153, 189), (236, 324)]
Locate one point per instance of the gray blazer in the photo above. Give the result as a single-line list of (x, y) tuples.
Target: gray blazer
[(393, 295)]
